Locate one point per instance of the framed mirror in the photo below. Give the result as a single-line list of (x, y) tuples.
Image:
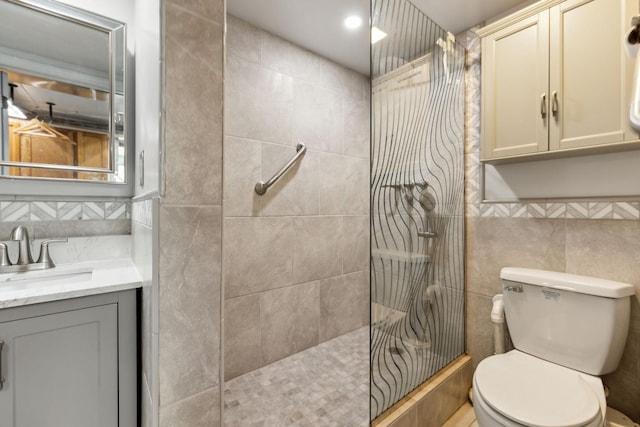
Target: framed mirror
[(62, 80)]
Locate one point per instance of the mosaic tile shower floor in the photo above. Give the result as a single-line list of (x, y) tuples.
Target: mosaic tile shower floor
[(327, 385)]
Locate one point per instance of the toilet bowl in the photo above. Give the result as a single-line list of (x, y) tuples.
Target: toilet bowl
[(567, 330), (512, 389)]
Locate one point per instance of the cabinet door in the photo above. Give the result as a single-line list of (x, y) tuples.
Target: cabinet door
[(587, 74), (61, 370), (515, 77)]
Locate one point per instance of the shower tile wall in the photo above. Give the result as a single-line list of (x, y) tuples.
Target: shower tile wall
[(189, 216), (557, 235), (296, 259)]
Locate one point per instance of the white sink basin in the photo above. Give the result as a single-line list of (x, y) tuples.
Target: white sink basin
[(66, 273)]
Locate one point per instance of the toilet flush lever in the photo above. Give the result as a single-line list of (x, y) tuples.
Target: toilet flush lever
[(514, 288)]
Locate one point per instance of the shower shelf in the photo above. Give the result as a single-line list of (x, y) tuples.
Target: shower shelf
[(407, 184)]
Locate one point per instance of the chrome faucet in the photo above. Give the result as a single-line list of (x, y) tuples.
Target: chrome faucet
[(21, 234), (25, 260)]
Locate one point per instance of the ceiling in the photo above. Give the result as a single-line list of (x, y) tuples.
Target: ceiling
[(317, 24), (26, 34)]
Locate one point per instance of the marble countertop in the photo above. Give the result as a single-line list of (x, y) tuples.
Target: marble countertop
[(68, 281)]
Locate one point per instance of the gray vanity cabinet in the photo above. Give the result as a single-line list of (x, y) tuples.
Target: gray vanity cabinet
[(62, 361)]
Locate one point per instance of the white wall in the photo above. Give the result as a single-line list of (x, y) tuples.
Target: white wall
[(147, 91)]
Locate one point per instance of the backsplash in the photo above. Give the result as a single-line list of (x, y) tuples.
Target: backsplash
[(142, 212), (587, 210), (22, 211), (79, 249)]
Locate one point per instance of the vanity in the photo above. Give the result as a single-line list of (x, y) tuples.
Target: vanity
[(68, 352)]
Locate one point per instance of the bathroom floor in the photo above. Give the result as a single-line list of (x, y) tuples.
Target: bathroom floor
[(327, 385), (464, 417)]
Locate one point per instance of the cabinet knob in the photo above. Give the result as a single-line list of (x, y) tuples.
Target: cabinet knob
[(543, 105), (554, 104)]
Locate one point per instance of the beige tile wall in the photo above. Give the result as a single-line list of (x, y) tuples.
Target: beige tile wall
[(296, 259), (500, 235), (190, 216), (599, 248)]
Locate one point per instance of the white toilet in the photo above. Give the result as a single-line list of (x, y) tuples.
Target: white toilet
[(566, 330)]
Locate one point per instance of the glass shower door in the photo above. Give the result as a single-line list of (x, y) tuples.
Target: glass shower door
[(417, 196)]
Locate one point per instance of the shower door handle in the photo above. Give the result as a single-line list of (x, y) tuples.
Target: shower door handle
[(543, 105)]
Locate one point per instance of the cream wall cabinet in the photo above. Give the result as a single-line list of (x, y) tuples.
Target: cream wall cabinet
[(556, 80), (70, 363)]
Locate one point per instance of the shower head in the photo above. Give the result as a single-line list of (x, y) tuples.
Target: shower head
[(427, 201)]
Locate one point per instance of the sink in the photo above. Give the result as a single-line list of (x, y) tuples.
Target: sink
[(68, 273)]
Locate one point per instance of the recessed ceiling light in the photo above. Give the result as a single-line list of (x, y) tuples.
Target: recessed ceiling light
[(377, 34), (352, 22)]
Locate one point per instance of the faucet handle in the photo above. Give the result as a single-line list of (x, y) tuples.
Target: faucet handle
[(4, 255), (45, 257)]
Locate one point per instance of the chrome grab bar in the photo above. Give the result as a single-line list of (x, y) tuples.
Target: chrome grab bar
[(262, 187)]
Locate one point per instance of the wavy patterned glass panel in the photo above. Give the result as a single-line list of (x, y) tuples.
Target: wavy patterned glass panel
[(417, 240)]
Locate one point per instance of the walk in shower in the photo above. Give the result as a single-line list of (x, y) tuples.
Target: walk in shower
[(343, 281), (417, 196)]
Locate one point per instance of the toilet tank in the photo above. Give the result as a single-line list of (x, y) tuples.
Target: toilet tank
[(575, 321)]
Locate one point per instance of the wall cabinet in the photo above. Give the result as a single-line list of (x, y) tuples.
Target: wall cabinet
[(70, 363), (556, 79)]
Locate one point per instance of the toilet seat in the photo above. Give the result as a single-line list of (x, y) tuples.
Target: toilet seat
[(529, 391)]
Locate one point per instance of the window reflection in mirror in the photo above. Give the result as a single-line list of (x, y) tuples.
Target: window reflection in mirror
[(63, 97)]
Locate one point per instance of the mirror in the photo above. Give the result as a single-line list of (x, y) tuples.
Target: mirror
[(62, 76)]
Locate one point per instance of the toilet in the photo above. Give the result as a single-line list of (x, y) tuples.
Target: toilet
[(567, 330)]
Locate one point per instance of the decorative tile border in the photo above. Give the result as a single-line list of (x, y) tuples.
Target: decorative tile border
[(475, 207), (592, 210), (14, 211), (63, 211)]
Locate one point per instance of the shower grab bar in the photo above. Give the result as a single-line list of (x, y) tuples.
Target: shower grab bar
[(262, 187)]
